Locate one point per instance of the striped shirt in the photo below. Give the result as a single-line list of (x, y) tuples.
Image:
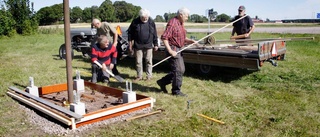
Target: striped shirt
[(106, 56), (175, 33)]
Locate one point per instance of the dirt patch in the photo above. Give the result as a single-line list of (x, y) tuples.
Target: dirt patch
[(94, 100)]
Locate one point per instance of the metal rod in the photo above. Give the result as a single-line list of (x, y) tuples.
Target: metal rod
[(143, 115), (215, 120), (68, 49), (266, 39), (200, 40)]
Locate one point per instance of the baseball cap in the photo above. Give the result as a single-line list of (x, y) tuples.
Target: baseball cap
[(242, 8)]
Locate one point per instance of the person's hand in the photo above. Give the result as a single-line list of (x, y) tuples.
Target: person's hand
[(115, 44), (155, 48), (111, 66), (104, 67), (246, 35), (131, 52), (173, 53)]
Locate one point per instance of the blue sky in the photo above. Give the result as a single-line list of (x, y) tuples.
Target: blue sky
[(271, 9)]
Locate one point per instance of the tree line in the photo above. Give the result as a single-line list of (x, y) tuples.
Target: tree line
[(19, 17)]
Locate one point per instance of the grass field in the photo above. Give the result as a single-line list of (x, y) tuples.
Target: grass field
[(275, 101)]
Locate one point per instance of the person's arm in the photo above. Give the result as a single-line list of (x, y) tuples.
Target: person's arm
[(115, 39), (166, 35), (189, 41), (170, 51), (251, 30), (251, 26), (233, 31), (113, 57), (113, 33), (130, 36), (94, 54), (155, 37)]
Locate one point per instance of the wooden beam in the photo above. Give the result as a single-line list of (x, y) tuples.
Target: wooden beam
[(59, 108), (24, 100)]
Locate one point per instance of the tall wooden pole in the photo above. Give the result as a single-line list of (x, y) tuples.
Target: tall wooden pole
[(68, 49)]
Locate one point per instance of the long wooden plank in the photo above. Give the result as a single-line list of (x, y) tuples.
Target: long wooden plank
[(52, 88), (42, 108), (112, 115), (59, 108)]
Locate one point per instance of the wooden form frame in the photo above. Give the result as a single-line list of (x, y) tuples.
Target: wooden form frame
[(73, 120)]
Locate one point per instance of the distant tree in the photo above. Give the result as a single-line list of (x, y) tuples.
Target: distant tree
[(197, 18), (75, 14), (107, 11), (95, 12), (204, 19), (268, 20), (257, 17), (22, 14), (168, 16), (125, 11), (223, 18), (50, 15), (159, 19), (7, 23), (86, 15)]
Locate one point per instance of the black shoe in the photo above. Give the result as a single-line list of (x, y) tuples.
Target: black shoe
[(162, 86), (106, 81), (180, 94)]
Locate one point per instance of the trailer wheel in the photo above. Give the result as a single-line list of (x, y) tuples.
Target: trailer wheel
[(204, 69), (62, 52)]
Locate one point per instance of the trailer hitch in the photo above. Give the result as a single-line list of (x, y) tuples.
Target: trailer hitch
[(273, 62)]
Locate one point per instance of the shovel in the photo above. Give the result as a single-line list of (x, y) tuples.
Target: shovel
[(117, 77)]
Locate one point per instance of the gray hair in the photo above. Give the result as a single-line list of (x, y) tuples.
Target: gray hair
[(102, 39), (144, 13), (183, 11)]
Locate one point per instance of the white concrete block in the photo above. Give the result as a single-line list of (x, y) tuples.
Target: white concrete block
[(78, 85), (78, 108), (33, 91), (128, 97)]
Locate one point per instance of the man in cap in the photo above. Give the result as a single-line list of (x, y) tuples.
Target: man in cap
[(244, 26)]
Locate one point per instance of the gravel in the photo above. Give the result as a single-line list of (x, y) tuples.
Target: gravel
[(51, 126)]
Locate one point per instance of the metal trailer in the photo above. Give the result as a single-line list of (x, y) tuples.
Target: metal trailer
[(245, 56)]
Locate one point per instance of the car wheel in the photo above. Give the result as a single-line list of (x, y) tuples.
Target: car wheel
[(204, 69), (63, 52)]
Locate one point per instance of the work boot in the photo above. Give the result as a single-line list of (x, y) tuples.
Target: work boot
[(94, 78), (148, 78), (179, 94), (162, 86), (106, 81)]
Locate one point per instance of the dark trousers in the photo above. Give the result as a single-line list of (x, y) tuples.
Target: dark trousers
[(115, 70), (176, 73), (98, 74)]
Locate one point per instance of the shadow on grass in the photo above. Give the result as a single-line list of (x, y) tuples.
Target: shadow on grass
[(224, 74)]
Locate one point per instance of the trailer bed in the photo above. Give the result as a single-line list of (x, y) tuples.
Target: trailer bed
[(245, 56)]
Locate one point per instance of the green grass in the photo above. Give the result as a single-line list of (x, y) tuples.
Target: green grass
[(275, 101)]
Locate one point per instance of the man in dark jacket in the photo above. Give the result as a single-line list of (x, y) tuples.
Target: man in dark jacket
[(244, 26), (142, 37)]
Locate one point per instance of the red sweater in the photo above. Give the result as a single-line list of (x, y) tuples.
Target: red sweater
[(106, 56)]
